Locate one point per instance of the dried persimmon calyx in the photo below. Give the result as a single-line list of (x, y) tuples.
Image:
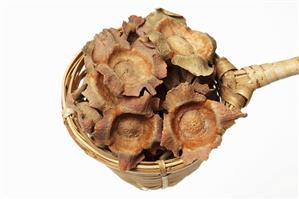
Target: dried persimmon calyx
[(193, 123), (126, 106), (138, 68), (191, 50), (98, 94), (127, 65), (154, 18), (87, 116), (128, 128), (130, 28), (106, 43), (161, 44), (131, 135), (127, 161), (110, 79), (87, 50)]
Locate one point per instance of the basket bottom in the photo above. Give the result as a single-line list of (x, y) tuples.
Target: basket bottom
[(148, 181)]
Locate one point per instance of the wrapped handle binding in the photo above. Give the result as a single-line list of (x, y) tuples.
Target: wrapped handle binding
[(236, 86)]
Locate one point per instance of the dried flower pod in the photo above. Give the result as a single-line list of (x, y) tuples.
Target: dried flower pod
[(184, 41), (128, 128), (131, 134), (129, 106), (88, 50), (192, 50), (87, 116), (106, 43), (138, 68), (130, 28), (98, 95), (129, 68), (193, 123), (110, 79), (154, 18)]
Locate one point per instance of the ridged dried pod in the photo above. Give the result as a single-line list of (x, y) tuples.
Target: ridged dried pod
[(132, 134), (129, 128), (141, 67), (127, 105), (129, 67), (130, 28), (191, 50), (154, 18), (193, 123), (87, 117), (98, 95)]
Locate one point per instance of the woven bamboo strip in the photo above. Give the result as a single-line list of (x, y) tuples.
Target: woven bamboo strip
[(237, 86)]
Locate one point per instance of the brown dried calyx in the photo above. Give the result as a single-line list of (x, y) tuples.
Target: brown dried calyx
[(131, 71), (193, 123), (129, 124), (129, 128), (191, 50), (128, 67)]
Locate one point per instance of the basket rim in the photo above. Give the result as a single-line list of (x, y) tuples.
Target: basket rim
[(170, 165)]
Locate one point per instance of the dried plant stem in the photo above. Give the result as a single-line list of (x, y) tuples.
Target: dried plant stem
[(237, 86)]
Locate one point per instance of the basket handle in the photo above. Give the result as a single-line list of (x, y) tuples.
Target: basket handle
[(236, 86)]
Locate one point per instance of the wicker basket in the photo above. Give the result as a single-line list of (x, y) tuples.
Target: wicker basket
[(236, 90), (147, 175)]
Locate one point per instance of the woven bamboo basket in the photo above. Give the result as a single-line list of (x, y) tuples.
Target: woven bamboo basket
[(236, 90), (147, 175)]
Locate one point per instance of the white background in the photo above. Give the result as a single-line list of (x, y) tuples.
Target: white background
[(257, 158)]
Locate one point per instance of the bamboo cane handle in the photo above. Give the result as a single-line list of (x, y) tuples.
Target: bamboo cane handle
[(236, 86)]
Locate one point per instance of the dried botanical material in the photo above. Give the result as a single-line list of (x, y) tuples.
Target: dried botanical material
[(128, 128), (150, 91), (88, 51), (191, 50), (129, 106), (75, 96), (194, 124), (129, 68), (130, 28), (98, 95), (87, 117), (138, 68), (177, 75), (131, 134), (106, 43), (154, 18)]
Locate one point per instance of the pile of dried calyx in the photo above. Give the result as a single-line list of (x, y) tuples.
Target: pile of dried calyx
[(150, 91)]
